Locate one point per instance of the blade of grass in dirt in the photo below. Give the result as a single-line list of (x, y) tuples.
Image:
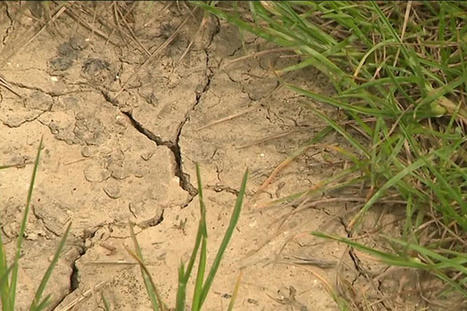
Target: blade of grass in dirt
[(4, 285), (152, 287), (19, 244), (36, 303), (148, 283), (8, 166), (235, 292), (198, 290), (181, 290), (385, 257), (5, 273), (106, 302), (185, 275), (225, 241), (44, 303)]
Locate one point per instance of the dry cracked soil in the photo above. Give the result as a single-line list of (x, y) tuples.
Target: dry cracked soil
[(128, 97)]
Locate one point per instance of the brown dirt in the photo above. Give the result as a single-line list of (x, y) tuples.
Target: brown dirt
[(121, 138)]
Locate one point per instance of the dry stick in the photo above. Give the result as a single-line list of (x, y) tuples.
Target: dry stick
[(233, 116), (6, 85), (132, 33), (83, 297), (123, 34), (117, 23), (124, 16), (153, 54)]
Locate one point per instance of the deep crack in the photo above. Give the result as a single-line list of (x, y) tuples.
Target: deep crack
[(74, 278), (183, 177), (174, 147)]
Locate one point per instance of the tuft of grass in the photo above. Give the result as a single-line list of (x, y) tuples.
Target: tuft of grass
[(399, 73), (9, 273), (203, 282)]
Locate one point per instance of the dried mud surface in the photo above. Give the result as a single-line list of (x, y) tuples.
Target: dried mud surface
[(124, 124)]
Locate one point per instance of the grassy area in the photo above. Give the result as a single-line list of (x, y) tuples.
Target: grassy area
[(399, 73)]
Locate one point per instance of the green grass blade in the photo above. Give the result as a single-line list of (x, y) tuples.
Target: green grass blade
[(43, 304), (151, 289), (106, 302), (19, 244), (5, 274), (35, 306), (198, 291), (444, 262), (340, 104), (390, 259), (181, 290), (203, 253), (228, 235), (4, 287)]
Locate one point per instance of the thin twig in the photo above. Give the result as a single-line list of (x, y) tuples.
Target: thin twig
[(233, 116), (83, 297), (6, 85)]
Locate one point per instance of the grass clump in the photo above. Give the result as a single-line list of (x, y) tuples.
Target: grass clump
[(9, 272), (203, 281), (399, 73)]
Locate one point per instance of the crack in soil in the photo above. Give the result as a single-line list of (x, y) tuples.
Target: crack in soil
[(174, 147), (183, 177)]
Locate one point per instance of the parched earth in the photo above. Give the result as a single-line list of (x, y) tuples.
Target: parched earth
[(128, 97)]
